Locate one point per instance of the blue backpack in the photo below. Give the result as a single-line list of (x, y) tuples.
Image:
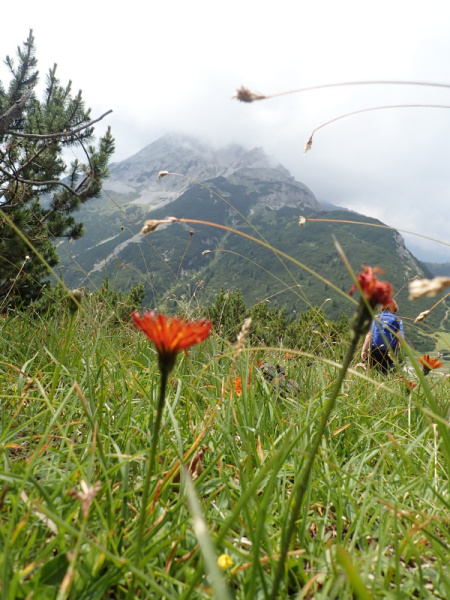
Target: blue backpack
[(389, 324)]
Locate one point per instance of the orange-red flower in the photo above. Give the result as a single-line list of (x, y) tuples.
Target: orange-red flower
[(237, 383), (410, 384), (376, 292), (171, 335), (429, 363)]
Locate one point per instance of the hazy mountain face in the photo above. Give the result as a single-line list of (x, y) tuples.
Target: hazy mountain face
[(194, 161), (250, 192)]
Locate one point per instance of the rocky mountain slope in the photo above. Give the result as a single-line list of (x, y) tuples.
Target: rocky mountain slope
[(244, 189), (192, 160)]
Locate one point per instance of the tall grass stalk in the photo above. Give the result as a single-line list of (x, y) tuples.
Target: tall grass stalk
[(301, 485)]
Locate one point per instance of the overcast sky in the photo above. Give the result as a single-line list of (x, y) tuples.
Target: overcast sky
[(173, 66)]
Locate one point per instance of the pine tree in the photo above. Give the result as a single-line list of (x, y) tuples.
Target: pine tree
[(38, 190)]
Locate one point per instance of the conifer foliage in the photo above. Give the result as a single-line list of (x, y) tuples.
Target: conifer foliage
[(38, 190)]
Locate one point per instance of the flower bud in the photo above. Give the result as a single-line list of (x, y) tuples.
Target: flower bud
[(74, 300)]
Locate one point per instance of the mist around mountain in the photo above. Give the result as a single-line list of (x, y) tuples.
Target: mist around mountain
[(253, 194), (439, 269)]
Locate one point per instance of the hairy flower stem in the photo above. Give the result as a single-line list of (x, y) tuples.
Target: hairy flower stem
[(360, 326), (165, 370)]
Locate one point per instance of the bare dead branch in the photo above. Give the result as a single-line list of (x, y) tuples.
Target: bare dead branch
[(12, 177), (49, 136), (32, 158), (13, 113)]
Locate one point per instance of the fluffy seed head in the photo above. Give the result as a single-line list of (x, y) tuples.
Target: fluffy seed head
[(243, 94), (241, 337), (308, 145), (427, 287), (422, 316)]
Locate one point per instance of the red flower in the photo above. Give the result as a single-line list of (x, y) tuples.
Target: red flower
[(171, 336), (410, 385), (376, 292), (429, 363)]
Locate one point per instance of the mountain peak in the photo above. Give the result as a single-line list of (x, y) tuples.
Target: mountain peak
[(195, 160)]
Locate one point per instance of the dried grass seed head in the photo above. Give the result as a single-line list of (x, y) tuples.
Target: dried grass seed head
[(422, 316), (242, 337), (308, 145), (86, 495), (243, 94), (151, 224), (162, 174), (302, 221), (427, 287)]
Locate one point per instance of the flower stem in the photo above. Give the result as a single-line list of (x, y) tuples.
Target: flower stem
[(301, 485), (151, 461)]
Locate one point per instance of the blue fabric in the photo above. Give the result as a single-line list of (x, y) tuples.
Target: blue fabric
[(386, 324)]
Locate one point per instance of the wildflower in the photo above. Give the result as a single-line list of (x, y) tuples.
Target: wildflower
[(427, 287), (287, 355), (162, 174), (410, 385), (429, 363), (171, 336), (224, 561), (243, 94), (376, 292), (237, 383), (302, 221)]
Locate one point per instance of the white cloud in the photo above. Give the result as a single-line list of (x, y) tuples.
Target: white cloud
[(173, 67)]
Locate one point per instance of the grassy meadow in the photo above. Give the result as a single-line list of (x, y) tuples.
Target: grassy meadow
[(135, 470), (79, 393)]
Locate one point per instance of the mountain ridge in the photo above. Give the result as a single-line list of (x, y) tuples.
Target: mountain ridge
[(242, 189)]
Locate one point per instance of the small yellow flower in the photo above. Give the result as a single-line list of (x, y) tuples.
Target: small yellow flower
[(224, 561)]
